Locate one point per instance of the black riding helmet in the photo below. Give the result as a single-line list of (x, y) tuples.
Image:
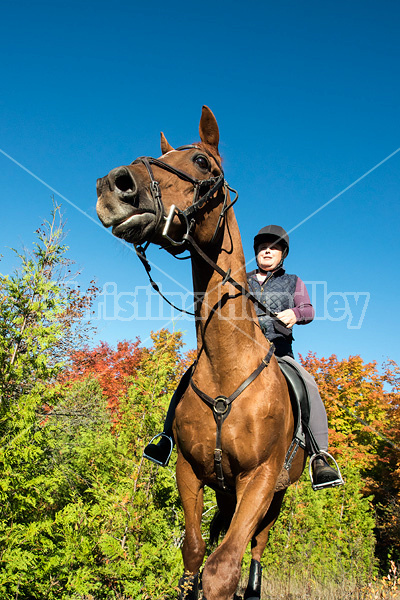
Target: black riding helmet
[(273, 233)]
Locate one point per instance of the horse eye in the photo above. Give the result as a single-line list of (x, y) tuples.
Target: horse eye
[(202, 162)]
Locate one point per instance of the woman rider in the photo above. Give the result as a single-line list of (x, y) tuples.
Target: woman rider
[(287, 297)]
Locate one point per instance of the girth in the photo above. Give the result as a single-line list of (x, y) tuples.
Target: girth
[(221, 406)]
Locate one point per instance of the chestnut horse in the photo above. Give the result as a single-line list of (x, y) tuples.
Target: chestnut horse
[(181, 200)]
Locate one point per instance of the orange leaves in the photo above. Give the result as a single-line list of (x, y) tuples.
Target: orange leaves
[(363, 408), (358, 402), (116, 369), (113, 369)]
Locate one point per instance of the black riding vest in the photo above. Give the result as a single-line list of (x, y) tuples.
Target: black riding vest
[(277, 294)]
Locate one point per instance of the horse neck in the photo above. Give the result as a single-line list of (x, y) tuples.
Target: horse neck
[(226, 323)]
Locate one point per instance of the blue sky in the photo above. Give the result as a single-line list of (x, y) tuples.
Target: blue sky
[(306, 95)]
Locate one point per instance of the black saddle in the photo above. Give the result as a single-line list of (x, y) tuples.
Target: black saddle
[(303, 436), (299, 398)]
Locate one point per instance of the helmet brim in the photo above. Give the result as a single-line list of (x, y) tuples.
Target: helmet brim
[(264, 238)]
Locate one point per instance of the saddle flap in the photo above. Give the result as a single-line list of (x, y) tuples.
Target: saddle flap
[(298, 396)]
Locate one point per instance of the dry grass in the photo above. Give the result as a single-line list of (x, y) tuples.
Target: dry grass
[(385, 588)]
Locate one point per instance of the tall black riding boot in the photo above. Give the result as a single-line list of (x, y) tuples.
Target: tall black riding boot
[(160, 453), (253, 590)]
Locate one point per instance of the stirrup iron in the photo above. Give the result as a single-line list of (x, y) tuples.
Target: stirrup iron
[(154, 460), (325, 484)]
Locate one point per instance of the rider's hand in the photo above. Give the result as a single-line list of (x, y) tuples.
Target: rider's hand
[(288, 317)]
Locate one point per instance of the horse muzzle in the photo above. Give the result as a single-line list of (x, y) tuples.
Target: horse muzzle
[(122, 206)]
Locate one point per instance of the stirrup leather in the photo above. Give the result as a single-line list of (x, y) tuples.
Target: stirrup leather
[(325, 484), (154, 460)]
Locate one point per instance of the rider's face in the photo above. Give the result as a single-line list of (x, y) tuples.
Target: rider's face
[(269, 255)]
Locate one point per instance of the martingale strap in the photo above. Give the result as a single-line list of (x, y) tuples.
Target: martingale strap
[(221, 406)]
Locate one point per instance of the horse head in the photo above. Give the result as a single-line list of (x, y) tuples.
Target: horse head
[(157, 200)]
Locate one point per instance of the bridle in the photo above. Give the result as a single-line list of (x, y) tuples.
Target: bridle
[(187, 216)]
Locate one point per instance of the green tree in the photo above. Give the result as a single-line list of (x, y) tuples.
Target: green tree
[(362, 402), (38, 315), (119, 533), (81, 514)]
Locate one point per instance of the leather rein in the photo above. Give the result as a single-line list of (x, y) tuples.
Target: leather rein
[(221, 405)]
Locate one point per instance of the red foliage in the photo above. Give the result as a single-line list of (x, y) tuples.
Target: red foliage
[(112, 368)]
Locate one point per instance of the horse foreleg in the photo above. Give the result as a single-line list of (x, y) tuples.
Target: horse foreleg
[(258, 543), (222, 570), (193, 549)]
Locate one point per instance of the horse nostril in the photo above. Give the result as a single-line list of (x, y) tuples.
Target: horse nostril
[(124, 183), (123, 180)]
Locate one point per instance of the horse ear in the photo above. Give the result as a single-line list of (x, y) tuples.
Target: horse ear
[(165, 146), (208, 128)]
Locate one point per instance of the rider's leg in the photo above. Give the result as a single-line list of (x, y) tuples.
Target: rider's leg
[(160, 452), (318, 422), (323, 474)]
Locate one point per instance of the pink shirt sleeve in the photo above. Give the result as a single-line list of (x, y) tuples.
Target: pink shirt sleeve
[(303, 309)]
